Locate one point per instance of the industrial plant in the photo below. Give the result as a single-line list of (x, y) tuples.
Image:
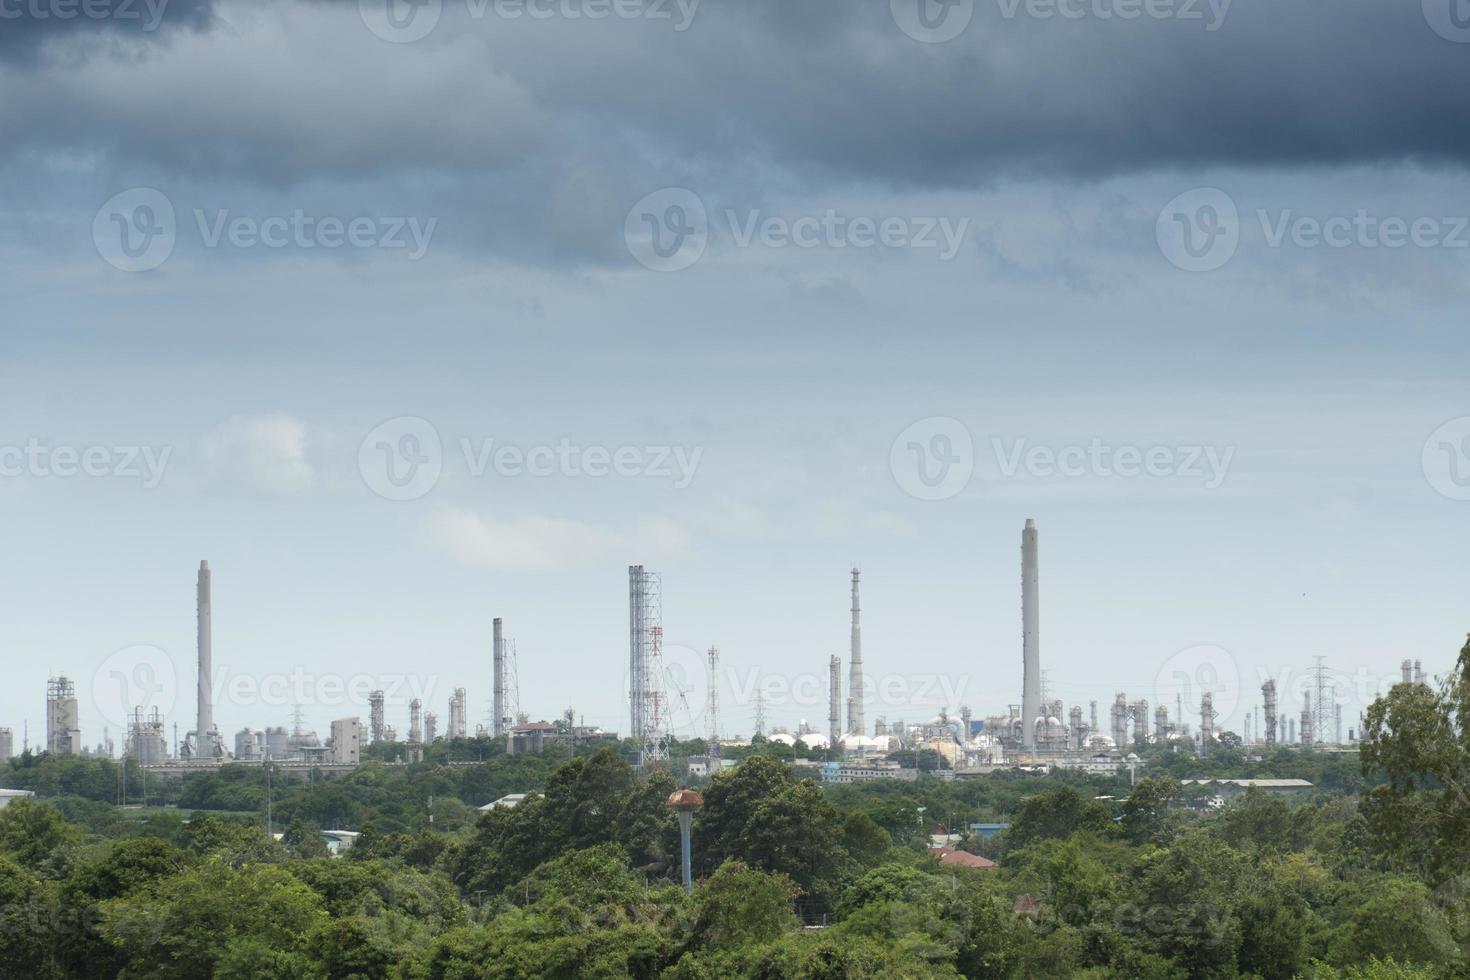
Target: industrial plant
[(1038, 731)]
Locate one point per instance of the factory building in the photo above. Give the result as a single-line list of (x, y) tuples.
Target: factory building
[(249, 745), (345, 746), (146, 743), (458, 728), (7, 744), (63, 731)]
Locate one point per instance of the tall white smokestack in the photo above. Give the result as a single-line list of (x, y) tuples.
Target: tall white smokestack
[(498, 726), (855, 722), (1030, 636), (834, 707), (204, 725)]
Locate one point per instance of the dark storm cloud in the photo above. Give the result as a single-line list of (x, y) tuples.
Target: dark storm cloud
[(810, 89), (1276, 83), (26, 26)]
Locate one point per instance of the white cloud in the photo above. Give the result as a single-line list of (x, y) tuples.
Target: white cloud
[(264, 453), (546, 544)]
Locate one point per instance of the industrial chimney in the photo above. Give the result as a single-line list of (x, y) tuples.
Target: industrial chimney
[(1268, 694), (855, 723), (204, 724), (834, 705), (1030, 637), (498, 725)]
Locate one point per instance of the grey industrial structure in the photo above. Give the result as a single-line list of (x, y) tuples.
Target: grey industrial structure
[(499, 722), (647, 716), (63, 730), (1031, 716), (855, 723), (1040, 730)]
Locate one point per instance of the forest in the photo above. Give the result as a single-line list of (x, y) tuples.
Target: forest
[(1363, 878)]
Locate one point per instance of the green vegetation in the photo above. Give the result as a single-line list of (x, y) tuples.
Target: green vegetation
[(1095, 878)]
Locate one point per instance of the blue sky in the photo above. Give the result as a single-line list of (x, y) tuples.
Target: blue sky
[(1329, 376)]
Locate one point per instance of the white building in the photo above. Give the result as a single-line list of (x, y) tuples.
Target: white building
[(345, 747), (7, 795), (1104, 764)]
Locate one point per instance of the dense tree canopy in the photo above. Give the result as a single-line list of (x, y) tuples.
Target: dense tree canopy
[(1096, 878)]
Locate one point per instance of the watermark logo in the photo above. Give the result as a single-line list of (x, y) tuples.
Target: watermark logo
[(668, 230), (574, 460), (301, 688), (38, 460), (1211, 13), (682, 677), (401, 21), (1187, 676), (301, 230), (1450, 19), (136, 678), (1446, 459), (1208, 464), (1199, 231), (406, 21), (833, 230), (402, 459), (1363, 230), (932, 21), (1447, 918), (933, 459), (150, 12), (135, 230)]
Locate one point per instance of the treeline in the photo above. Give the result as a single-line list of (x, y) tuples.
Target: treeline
[(581, 881)]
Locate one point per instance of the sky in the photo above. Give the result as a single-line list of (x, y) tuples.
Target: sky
[(409, 316)]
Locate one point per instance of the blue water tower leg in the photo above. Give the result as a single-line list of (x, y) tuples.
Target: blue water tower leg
[(685, 820)]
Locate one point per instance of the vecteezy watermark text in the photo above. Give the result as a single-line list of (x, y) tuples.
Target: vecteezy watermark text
[(138, 229), (299, 230), (670, 230), (566, 458), (302, 687), (403, 459), (934, 459), (406, 21), (38, 460), (1211, 13), (833, 230), (937, 21), (1208, 464), (149, 12), (1201, 229)]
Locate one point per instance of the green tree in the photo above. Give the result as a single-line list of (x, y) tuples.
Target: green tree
[(1418, 740), (1057, 813), (302, 841), (739, 905), (32, 832), (180, 926), (1148, 815), (761, 814)]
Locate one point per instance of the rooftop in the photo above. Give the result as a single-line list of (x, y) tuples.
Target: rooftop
[(960, 859), (1262, 783)]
